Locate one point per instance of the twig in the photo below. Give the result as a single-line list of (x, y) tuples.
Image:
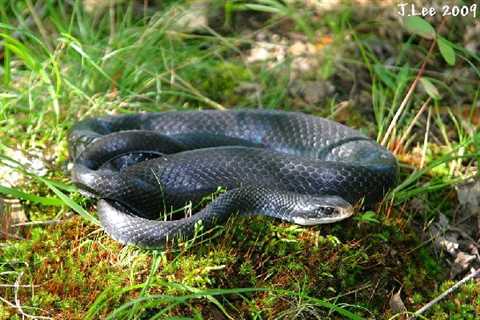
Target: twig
[(425, 140), (19, 285), (37, 223), (446, 293), (412, 123), (366, 286), (421, 71), (386, 137), (17, 305), (26, 315)]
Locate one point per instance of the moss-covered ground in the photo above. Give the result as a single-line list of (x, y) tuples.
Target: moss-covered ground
[(354, 63)]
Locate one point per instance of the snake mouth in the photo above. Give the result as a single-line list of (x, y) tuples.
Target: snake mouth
[(340, 214)]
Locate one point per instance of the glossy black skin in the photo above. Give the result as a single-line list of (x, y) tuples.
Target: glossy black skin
[(282, 164)]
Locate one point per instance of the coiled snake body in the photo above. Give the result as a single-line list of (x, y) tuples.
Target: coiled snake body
[(299, 168)]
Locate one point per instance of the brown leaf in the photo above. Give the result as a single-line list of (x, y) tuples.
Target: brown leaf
[(11, 213), (396, 303)]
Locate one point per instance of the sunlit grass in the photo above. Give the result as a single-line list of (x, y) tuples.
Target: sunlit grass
[(254, 267)]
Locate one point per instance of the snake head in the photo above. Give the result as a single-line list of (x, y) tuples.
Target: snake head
[(321, 210)]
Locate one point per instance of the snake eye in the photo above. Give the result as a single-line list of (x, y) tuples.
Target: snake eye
[(329, 210)]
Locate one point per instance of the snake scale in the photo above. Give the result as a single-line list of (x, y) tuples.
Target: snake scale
[(292, 166)]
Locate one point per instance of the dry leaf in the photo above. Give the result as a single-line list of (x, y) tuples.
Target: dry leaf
[(11, 213), (396, 303)]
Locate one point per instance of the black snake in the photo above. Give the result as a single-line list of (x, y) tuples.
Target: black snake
[(299, 168)]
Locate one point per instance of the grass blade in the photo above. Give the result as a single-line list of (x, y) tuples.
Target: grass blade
[(46, 201)]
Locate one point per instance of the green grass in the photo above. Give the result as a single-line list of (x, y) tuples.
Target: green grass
[(69, 65)]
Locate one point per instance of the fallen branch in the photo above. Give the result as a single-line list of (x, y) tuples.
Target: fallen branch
[(446, 293)]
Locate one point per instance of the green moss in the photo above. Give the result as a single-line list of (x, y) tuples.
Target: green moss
[(6, 314), (221, 81), (149, 65), (246, 270)]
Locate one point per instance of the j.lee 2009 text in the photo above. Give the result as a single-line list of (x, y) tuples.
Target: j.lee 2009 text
[(410, 9)]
